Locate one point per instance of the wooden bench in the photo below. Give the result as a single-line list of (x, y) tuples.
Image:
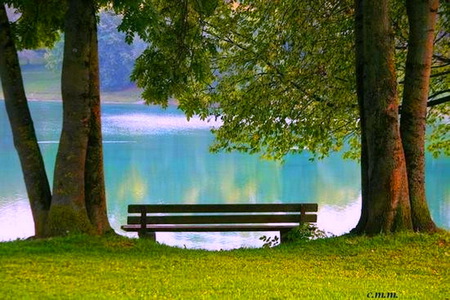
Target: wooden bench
[(146, 219)]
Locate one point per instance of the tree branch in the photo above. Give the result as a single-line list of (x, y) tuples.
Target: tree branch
[(441, 58), (439, 93), (438, 101), (441, 66), (431, 103), (440, 74)]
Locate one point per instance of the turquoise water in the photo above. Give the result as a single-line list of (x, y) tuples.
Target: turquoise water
[(156, 156)]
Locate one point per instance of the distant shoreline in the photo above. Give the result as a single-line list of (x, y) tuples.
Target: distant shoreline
[(172, 103), (42, 84), (139, 102)]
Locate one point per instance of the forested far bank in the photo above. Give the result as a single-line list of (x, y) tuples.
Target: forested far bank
[(41, 68)]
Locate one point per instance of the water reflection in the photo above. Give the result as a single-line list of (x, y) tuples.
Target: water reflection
[(155, 156)]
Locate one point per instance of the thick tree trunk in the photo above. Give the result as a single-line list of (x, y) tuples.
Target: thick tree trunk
[(422, 20), (68, 210), (94, 173), (25, 141), (387, 190), (359, 56)]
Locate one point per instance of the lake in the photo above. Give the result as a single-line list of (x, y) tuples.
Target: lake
[(155, 156)]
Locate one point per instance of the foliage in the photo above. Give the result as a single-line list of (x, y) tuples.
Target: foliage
[(277, 89), (414, 266), (439, 116), (178, 50), (439, 138), (278, 74), (53, 56), (305, 232), (39, 23), (285, 90), (301, 233)]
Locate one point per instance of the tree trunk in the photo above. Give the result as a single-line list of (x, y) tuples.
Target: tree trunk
[(68, 210), (422, 20), (25, 141), (387, 188), (359, 56), (94, 173)]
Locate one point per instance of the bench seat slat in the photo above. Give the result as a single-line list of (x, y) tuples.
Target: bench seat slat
[(222, 208), (209, 228), (224, 219)]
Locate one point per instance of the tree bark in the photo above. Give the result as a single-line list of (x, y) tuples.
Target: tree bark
[(68, 209), (94, 173), (25, 140), (422, 20), (359, 57), (388, 204)]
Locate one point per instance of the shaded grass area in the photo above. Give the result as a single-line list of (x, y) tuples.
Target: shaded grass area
[(413, 266), (43, 84)]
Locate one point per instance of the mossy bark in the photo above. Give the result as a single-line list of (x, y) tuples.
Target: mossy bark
[(25, 140), (66, 219), (69, 179), (422, 20)]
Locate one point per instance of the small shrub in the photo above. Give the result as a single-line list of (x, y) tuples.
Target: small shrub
[(305, 232)]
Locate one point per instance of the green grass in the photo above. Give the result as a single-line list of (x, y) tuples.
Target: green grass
[(43, 84), (413, 266)]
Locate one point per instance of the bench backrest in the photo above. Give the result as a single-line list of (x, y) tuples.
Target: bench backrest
[(221, 213)]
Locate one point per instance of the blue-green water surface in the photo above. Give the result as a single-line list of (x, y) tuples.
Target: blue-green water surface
[(156, 156)]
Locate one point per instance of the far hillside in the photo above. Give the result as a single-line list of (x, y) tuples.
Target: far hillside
[(41, 69)]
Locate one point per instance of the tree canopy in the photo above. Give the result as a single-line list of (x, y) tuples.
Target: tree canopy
[(279, 74), (39, 24)]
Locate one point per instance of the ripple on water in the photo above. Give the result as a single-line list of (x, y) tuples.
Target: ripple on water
[(146, 124)]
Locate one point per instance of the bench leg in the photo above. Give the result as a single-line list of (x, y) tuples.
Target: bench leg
[(147, 235), (283, 234)]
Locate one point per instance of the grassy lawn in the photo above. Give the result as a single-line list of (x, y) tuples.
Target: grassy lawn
[(43, 84), (413, 266)]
